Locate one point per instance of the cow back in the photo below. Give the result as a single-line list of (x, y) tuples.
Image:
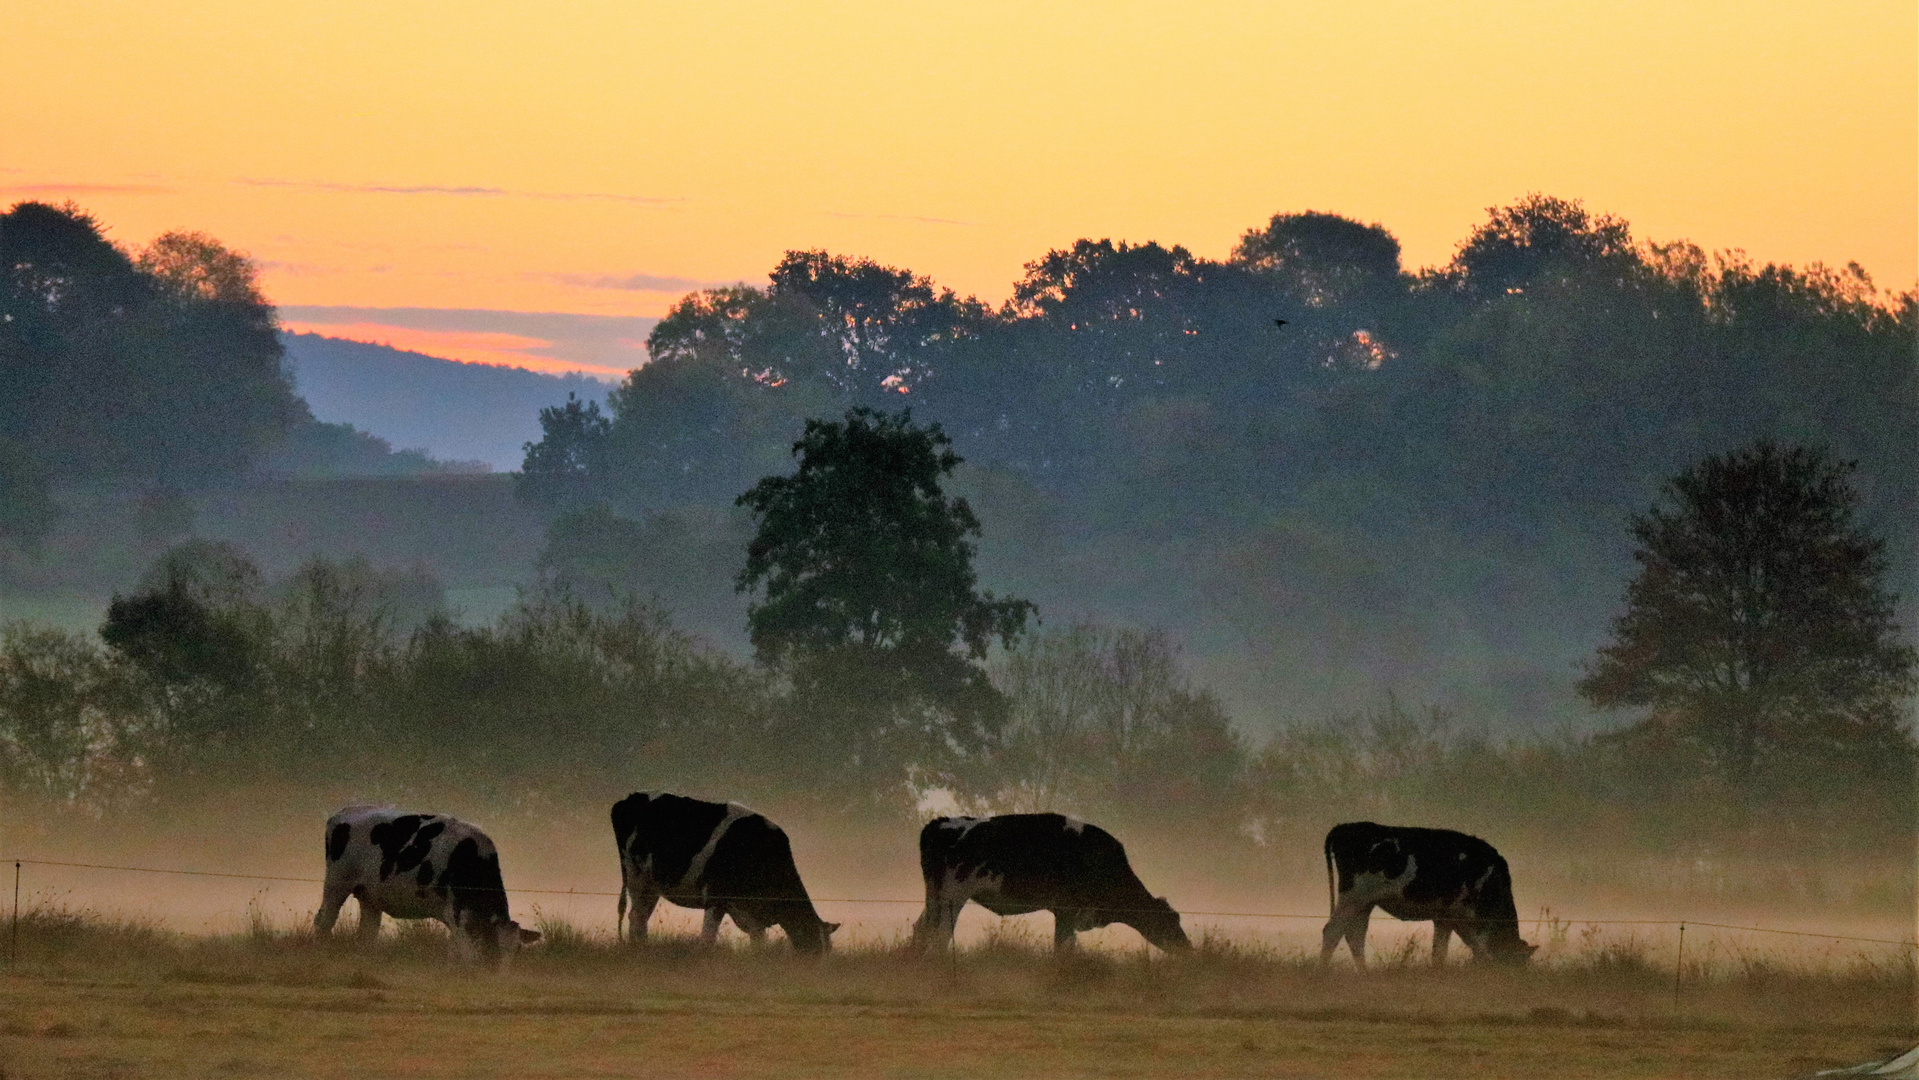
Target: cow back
[(1443, 863), (664, 831), (1047, 857)]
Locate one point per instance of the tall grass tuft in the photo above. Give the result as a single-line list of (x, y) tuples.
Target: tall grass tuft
[(560, 937)]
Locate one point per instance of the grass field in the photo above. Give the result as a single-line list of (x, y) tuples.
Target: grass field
[(97, 997)]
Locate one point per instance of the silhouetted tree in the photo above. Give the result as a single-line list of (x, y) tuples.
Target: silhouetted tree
[(870, 604), (881, 328), (561, 470), (1757, 623), (1542, 241), (192, 266), (163, 370), (177, 638), (1113, 325), (66, 291), (1322, 260), (1340, 282)]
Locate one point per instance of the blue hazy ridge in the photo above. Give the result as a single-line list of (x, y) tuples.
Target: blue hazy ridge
[(454, 411)]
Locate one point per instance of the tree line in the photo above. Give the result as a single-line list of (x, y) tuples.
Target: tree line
[(1758, 635), (1419, 481), (1555, 362), (157, 369)]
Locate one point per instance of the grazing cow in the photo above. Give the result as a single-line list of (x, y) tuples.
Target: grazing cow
[(718, 856), (419, 866), (1020, 863), (1457, 881)]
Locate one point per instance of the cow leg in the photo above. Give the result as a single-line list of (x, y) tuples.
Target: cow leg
[(369, 921), (1478, 939), (331, 897), (929, 915), (1348, 923), (1065, 938), (1329, 939), (639, 913), (710, 928), (936, 924), (751, 924), (1442, 937), (462, 946), (1356, 937)]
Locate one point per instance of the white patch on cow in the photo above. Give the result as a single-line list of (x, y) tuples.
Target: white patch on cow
[(955, 891), (1371, 887), (963, 824), (971, 886), (696, 868), (1075, 825), (946, 897)]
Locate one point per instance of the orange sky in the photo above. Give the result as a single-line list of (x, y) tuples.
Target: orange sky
[(604, 157)]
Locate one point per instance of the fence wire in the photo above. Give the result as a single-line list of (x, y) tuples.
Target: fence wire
[(1910, 944)]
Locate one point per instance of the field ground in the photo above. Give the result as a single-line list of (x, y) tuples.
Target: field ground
[(95, 997)]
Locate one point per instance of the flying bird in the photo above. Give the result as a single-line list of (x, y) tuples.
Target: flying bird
[(1279, 322)]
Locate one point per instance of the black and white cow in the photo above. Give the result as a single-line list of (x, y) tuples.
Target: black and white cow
[(718, 856), (1014, 864), (1457, 881), (419, 866)]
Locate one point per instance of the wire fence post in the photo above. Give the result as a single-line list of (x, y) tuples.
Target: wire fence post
[(13, 949), (1679, 967)]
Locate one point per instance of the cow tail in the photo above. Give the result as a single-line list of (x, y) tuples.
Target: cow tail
[(1332, 880)]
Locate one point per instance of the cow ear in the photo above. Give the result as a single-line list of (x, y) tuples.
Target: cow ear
[(528, 937), (830, 927)]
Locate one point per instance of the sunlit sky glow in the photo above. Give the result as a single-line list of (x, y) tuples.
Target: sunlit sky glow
[(602, 158)]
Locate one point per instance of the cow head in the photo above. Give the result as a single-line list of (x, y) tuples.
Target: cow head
[(1159, 924), (500, 940), (1511, 952), (815, 937), (1517, 953)]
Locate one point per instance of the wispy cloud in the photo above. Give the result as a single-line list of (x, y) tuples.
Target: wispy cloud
[(458, 191), (634, 282), (902, 217), (300, 269), (87, 189)]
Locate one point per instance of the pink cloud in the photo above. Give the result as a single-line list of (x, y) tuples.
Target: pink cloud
[(469, 346)]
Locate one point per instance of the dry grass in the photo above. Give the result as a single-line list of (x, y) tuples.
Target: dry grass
[(98, 997)]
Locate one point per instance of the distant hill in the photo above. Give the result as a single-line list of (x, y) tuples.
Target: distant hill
[(452, 410)]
